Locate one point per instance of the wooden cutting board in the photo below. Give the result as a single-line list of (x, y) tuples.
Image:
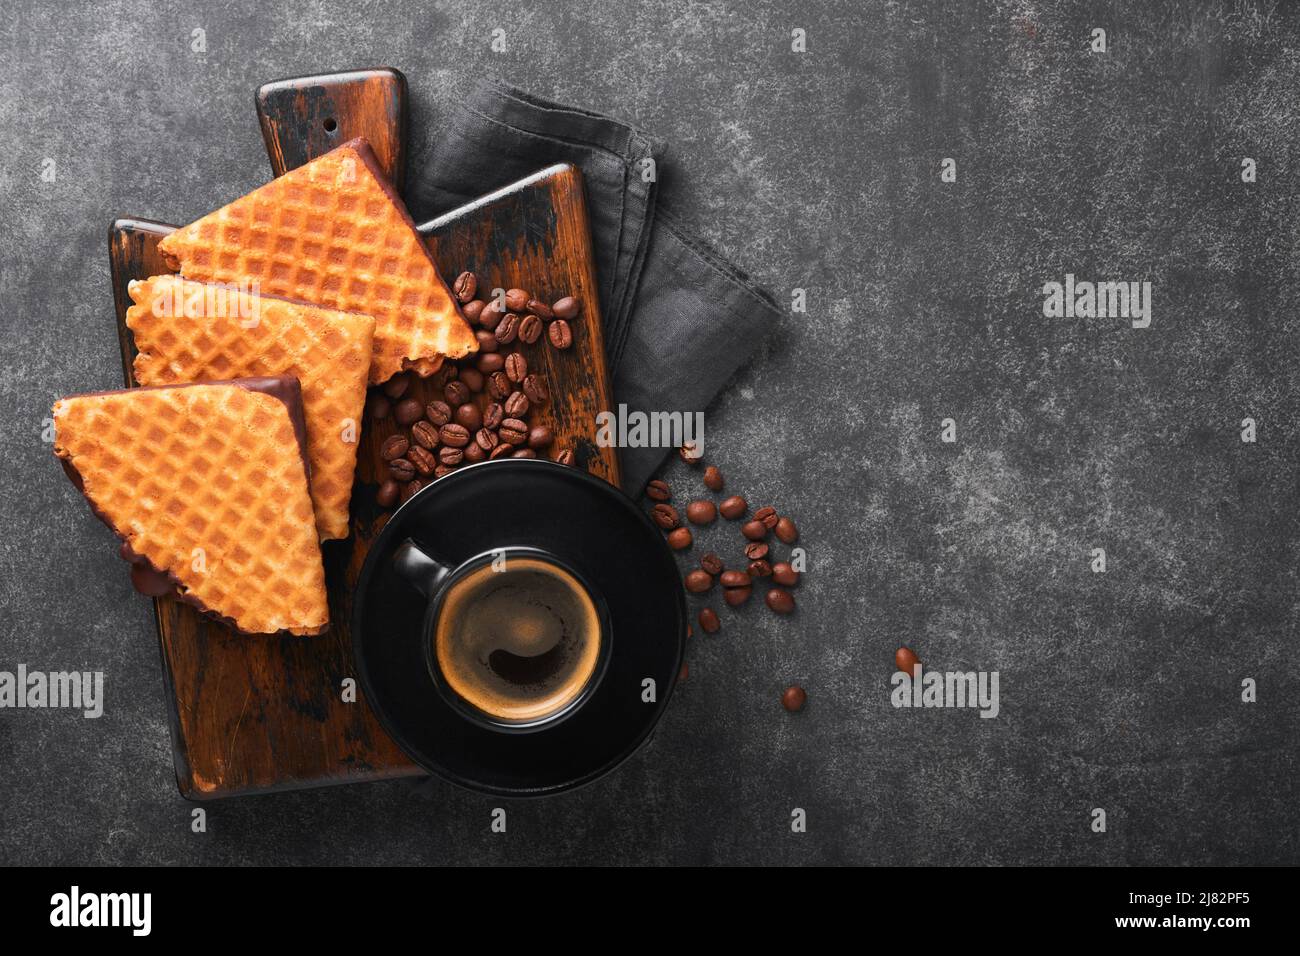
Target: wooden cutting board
[(254, 714)]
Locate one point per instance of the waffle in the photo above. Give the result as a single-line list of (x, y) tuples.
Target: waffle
[(334, 233), (206, 484), (188, 332)]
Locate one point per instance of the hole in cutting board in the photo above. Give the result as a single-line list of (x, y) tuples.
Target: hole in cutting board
[(331, 125)]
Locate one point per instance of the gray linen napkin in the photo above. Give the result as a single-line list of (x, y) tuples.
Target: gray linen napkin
[(679, 319)]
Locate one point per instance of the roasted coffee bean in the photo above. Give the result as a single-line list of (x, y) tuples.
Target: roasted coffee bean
[(905, 660), (786, 531), (507, 329), (474, 453), (516, 405), (657, 490), (473, 311), (501, 451), (487, 342), (737, 596), (491, 315), (756, 550), (387, 494), (785, 575), (486, 439), (735, 579), (759, 569), (566, 308), (524, 453), (493, 415), (410, 488), (394, 446), (713, 478), (733, 507), (438, 412), (457, 393), (794, 698), (680, 538), (396, 386), (499, 385), (768, 516), (490, 362), (465, 286), (422, 459), (697, 581), (446, 372), (530, 329), (709, 622), (665, 516), (513, 431), (539, 436), (401, 469), (540, 309), (566, 457), (408, 411), (689, 453), (535, 389), (701, 512), (425, 434), (517, 300), (711, 563), (469, 416), (457, 436), (516, 367), (780, 600), (754, 530), (560, 334), (451, 457), (473, 378), (379, 406)]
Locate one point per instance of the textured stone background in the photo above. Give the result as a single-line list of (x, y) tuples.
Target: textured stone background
[(819, 170)]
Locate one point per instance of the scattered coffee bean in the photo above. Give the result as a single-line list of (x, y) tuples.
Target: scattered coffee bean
[(657, 490), (473, 378), (493, 414), (486, 439), (451, 457), (665, 516), (387, 494), (759, 569), (780, 600), (786, 531), (756, 550), (491, 315), (524, 453), (516, 367), (469, 416), (408, 411), (457, 436), (711, 563), (733, 507), (516, 405), (737, 596), (566, 308), (794, 698), (474, 453), (501, 451), (697, 581), (473, 311), (513, 431), (396, 386), (709, 622), (410, 488), (422, 459), (379, 406), (785, 575), (446, 373), (566, 457), (735, 579), (689, 453), (680, 538), (701, 512), (401, 469), (540, 309), (465, 286), (457, 393), (768, 516), (530, 329), (490, 362), (560, 334), (394, 446), (713, 478), (905, 660), (517, 300), (487, 342), (507, 329), (754, 530), (498, 385), (539, 436), (535, 389), (438, 412), (425, 434)]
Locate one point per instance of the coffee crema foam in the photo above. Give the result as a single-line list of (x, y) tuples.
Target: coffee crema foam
[(519, 644)]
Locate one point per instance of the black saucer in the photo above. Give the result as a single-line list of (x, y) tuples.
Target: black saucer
[(590, 526)]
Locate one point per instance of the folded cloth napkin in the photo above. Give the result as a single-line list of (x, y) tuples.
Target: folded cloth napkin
[(679, 319)]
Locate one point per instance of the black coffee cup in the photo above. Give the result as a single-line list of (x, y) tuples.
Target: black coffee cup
[(455, 550)]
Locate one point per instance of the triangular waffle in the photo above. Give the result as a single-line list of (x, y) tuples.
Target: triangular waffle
[(334, 233), (206, 484), (190, 332)]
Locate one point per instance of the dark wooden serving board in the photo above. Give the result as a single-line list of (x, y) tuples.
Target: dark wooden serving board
[(255, 714)]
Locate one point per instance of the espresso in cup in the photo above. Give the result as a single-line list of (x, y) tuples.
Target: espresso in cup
[(517, 640)]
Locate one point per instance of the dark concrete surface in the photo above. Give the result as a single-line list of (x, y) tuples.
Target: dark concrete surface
[(819, 170)]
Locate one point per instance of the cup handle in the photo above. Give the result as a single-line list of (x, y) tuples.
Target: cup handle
[(420, 570)]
